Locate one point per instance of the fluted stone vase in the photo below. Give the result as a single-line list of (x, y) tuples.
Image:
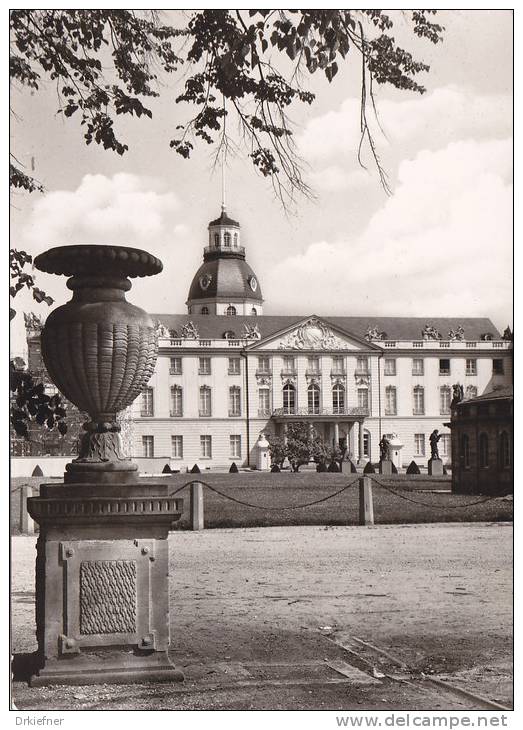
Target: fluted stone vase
[(99, 349), (102, 566)]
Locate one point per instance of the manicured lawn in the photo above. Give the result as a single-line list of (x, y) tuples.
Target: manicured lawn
[(272, 493)]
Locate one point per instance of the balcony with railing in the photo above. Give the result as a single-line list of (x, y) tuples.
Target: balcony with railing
[(347, 412), (289, 372)]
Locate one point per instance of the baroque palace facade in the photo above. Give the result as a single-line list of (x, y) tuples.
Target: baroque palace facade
[(227, 373)]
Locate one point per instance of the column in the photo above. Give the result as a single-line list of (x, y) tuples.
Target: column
[(360, 441), (285, 433), (336, 433)]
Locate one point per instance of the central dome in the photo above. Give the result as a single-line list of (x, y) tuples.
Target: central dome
[(224, 283)]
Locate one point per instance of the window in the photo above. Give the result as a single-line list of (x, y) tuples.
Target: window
[(206, 447), (504, 450), (148, 446), (289, 398), (444, 400), (390, 366), (444, 366), (366, 444), (254, 311), (313, 399), (338, 399), (264, 404), (217, 240), (230, 311), (234, 401), (288, 364), (363, 398), (419, 401), (227, 240), (236, 446), (471, 391), (390, 401), (204, 366), (177, 447), (175, 368), (417, 366), (362, 365), (205, 401), (264, 364), (471, 367), (205, 310), (234, 366), (465, 451), (338, 365), (483, 451), (147, 402), (313, 364), (444, 444), (176, 401), (497, 366), (419, 444)]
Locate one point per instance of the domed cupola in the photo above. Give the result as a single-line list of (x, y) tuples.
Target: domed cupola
[(224, 283)]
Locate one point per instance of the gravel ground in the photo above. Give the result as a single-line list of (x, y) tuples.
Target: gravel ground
[(438, 596)]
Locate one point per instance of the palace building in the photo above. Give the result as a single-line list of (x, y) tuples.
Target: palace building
[(227, 373)]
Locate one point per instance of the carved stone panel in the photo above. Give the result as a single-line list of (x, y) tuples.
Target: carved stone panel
[(108, 596)]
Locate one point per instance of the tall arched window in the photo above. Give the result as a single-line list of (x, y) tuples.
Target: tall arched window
[(227, 240), (176, 401), (444, 400), (313, 398), (483, 451), (338, 398), (254, 311), (235, 240), (289, 398), (205, 310), (504, 450), (217, 240), (390, 401), (235, 401), (465, 451), (230, 311), (205, 401), (419, 400), (264, 402)]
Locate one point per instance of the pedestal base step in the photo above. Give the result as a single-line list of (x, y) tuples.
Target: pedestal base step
[(127, 668)]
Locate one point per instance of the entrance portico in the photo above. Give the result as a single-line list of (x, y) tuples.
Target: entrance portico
[(344, 428)]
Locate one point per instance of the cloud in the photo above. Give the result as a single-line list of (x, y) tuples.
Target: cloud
[(433, 120), (335, 178), (124, 209), (441, 245)]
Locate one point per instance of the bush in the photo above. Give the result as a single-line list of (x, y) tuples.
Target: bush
[(369, 468), (413, 468), (195, 469), (233, 469)]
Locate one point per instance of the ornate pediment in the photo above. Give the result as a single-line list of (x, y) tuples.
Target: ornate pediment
[(314, 335)]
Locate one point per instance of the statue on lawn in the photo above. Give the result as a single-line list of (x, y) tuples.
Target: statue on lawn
[(384, 448), (433, 440)]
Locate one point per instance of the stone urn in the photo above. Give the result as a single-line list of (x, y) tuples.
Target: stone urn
[(99, 349)]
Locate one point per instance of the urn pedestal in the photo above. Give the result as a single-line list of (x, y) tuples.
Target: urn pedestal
[(102, 567)]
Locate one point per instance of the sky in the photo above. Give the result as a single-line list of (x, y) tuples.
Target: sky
[(439, 245)]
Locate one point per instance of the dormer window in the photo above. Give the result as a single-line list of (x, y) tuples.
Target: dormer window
[(205, 310), (231, 311), (217, 240), (227, 240)]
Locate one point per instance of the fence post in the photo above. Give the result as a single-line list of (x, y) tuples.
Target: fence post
[(366, 506), (196, 506), (27, 525)]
